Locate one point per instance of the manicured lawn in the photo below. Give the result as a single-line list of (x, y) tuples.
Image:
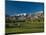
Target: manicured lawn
[(27, 27), (16, 30)]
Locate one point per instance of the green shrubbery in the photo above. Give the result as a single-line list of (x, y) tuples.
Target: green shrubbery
[(17, 23)]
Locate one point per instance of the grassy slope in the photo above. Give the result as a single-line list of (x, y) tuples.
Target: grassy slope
[(28, 26)]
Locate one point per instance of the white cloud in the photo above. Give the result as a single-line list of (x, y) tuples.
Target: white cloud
[(39, 12)]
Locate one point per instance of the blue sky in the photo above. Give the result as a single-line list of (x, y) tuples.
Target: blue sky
[(15, 7)]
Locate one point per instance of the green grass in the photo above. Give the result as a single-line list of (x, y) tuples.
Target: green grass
[(15, 30), (28, 26)]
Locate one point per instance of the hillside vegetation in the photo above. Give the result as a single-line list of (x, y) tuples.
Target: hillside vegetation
[(25, 26)]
